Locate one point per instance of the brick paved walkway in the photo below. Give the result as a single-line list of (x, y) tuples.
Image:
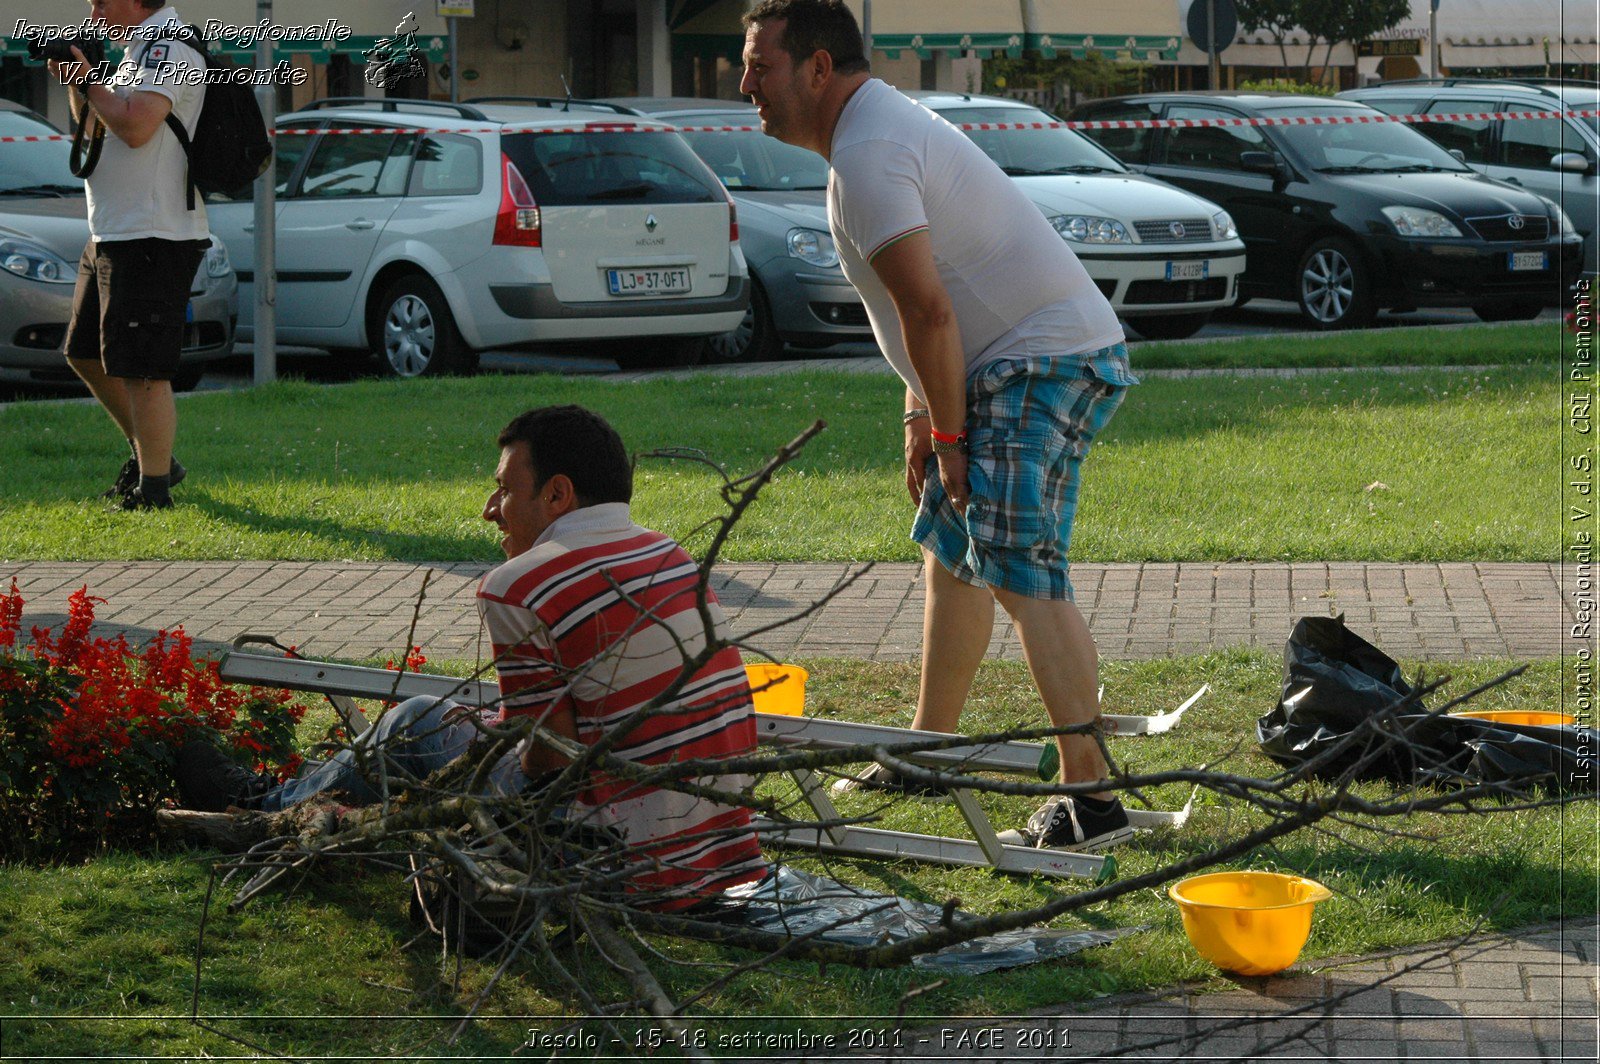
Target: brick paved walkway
[(1530, 995), (360, 609)]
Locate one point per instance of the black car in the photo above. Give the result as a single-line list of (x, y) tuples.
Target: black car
[(1350, 217)]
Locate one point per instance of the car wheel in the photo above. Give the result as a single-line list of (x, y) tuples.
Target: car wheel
[(188, 376), (1520, 310), (1334, 290), (414, 334), (754, 339), (1170, 326)]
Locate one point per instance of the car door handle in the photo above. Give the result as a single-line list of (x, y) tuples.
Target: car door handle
[(250, 228), (1511, 181), (359, 223)]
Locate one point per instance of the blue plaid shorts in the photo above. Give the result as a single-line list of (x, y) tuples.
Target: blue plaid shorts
[(1030, 422)]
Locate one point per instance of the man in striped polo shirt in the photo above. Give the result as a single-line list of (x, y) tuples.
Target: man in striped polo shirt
[(592, 619)]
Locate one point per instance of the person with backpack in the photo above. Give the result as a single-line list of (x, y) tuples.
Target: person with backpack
[(146, 237)]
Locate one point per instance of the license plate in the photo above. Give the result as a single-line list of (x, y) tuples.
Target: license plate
[(1530, 260), (188, 311), (648, 282), (1188, 271)]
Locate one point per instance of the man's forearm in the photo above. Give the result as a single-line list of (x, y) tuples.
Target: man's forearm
[(117, 113), (934, 344)]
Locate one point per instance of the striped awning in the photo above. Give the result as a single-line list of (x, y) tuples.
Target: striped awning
[(1117, 29), (927, 26), (315, 24)]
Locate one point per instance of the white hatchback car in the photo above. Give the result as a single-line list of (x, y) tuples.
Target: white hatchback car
[(1165, 258), (452, 228)]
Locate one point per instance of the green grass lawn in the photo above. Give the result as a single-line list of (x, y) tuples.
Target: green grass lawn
[(1475, 345), (329, 970), (1353, 465)]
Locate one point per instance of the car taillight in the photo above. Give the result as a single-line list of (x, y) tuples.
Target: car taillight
[(733, 222), (517, 223)]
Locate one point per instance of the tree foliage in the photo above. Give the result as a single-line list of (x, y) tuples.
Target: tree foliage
[(1326, 21)]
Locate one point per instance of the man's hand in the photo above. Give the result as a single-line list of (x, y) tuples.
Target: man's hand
[(919, 445), (76, 74), (953, 475)]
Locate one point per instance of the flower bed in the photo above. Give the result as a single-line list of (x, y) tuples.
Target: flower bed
[(90, 728)]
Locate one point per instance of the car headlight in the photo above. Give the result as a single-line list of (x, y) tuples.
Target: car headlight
[(1087, 229), (809, 245), (1414, 221), (217, 264), (1562, 221), (1222, 225), (26, 259)]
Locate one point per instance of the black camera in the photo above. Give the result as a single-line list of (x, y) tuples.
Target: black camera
[(60, 49)]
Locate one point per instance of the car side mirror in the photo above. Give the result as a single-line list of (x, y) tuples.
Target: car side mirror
[(1571, 162), (1260, 162), (1459, 155)]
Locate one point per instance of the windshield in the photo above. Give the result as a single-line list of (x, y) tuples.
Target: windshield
[(1375, 147), (754, 162), (1031, 152), (39, 166)]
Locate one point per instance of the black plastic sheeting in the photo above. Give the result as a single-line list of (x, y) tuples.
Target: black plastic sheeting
[(1333, 680), (791, 902)]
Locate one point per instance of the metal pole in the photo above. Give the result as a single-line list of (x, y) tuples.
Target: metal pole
[(1433, 39), (455, 66), (866, 29), (1215, 74), (266, 200)]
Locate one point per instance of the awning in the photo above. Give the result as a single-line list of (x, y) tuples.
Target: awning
[(926, 26), (313, 24), (1463, 56), (1117, 29)]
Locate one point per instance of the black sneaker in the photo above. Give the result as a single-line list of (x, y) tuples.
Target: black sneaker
[(128, 479), (209, 781), (879, 778), (136, 500), (1064, 824)]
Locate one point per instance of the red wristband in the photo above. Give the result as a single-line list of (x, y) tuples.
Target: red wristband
[(949, 437)]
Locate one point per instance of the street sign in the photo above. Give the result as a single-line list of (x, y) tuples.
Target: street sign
[(1410, 46), (454, 8), (1225, 18)]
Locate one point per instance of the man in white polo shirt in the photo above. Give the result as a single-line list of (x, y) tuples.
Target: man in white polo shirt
[(126, 334), (1013, 362)]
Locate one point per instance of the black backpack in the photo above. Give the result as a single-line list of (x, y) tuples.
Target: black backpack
[(230, 148)]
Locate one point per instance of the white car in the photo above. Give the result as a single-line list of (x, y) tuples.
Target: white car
[(454, 228), (1164, 258)]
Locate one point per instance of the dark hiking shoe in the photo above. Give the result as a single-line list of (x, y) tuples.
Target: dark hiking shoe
[(128, 479), (208, 781), (1065, 824), (879, 778), (137, 500)]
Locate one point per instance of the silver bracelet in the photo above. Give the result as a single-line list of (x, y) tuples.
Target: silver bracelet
[(913, 415)]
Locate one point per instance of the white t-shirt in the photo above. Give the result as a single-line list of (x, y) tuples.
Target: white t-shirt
[(140, 192), (899, 169)]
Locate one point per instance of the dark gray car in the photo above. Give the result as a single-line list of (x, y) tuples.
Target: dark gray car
[(1558, 158), (799, 294)]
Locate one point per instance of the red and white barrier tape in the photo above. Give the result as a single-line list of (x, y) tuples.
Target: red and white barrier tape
[(1143, 123)]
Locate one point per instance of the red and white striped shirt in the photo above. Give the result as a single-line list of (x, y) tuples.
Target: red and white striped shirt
[(592, 616)]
